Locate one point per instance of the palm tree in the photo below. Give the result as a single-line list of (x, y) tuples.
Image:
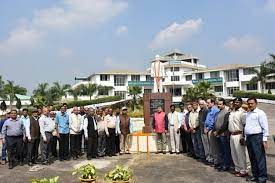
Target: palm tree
[(200, 90), (58, 90), (271, 63), (75, 92), (261, 76), (135, 91), (91, 89), (10, 90), (41, 90)]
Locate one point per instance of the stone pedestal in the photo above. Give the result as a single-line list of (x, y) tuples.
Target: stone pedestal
[(151, 102)]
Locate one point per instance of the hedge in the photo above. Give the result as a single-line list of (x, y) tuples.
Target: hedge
[(244, 94), (90, 102)]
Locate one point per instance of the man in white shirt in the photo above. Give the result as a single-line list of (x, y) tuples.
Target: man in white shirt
[(256, 131), (102, 133), (75, 125), (174, 129), (91, 134), (47, 126), (111, 120)]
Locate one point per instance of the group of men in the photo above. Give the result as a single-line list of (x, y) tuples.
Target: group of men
[(99, 133), (229, 138)]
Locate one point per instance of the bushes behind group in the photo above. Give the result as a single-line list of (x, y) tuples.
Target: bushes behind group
[(244, 94)]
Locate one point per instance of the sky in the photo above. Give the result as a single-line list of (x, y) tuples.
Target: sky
[(58, 40)]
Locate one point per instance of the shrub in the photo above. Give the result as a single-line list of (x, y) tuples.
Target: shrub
[(46, 180), (90, 102), (87, 171), (257, 95), (120, 173)]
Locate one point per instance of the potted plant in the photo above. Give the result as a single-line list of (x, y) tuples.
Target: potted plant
[(87, 173), (45, 180), (119, 175)]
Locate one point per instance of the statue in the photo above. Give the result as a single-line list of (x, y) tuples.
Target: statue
[(157, 71)]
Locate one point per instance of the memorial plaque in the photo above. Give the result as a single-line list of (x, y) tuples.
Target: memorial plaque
[(151, 102), (154, 103)]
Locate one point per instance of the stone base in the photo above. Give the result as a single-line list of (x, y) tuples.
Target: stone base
[(147, 129)]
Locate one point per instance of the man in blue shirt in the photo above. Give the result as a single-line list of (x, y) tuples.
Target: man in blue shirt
[(208, 127), (256, 132), (62, 122)]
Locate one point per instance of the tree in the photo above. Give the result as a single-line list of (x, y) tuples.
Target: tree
[(75, 92), (200, 90), (261, 76), (3, 106), (18, 104), (90, 89), (104, 90), (10, 89), (58, 90), (41, 90), (2, 83), (135, 91)]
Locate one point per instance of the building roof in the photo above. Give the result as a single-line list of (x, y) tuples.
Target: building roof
[(171, 56), (231, 66), (123, 72), (22, 97)]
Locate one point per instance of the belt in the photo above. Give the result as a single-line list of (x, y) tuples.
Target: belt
[(48, 132), (171, 124), (236, 133)]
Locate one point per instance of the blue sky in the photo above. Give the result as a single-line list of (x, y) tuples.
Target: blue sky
[(56, 40)]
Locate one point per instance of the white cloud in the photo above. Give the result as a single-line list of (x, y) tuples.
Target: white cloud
[(270, 5), (68, 14), (244, 44), (176, 33), (121, 30)]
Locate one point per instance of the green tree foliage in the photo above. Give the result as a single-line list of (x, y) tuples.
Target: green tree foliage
[(18, 104), (200, 90), (134, 91), (10, 89), (262, 75)]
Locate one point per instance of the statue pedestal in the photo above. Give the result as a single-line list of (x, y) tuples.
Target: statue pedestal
[(151, 102)]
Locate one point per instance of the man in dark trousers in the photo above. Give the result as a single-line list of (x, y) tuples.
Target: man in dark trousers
[(33, 136), (187, 132), (91, 135), (13, 132)]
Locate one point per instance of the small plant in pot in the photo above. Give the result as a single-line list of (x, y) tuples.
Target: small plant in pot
[(87, 173), (46, 180), (119, 175)]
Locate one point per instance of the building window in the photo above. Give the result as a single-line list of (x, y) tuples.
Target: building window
[(188, 78), (176, 92), (252, 86), (163, 79), (232, 75), (175, 69), (135, 77), (149, 78), (218, 88), (230, 90), (120, 80), (104, 77), (270, 85), (248, 71), (175, 78), (199, 76), (147, 90), (215, 74), (122, 94)]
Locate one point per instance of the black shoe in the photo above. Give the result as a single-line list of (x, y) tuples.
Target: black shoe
[(89, 158), (157, 152), (171, 152), (45, 163), (74, 158), (252, 179), (21, 163), (164, 152), (10, 166), (61, 159), (30, 164)]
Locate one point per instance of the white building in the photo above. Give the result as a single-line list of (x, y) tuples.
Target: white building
[(181, 71)]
